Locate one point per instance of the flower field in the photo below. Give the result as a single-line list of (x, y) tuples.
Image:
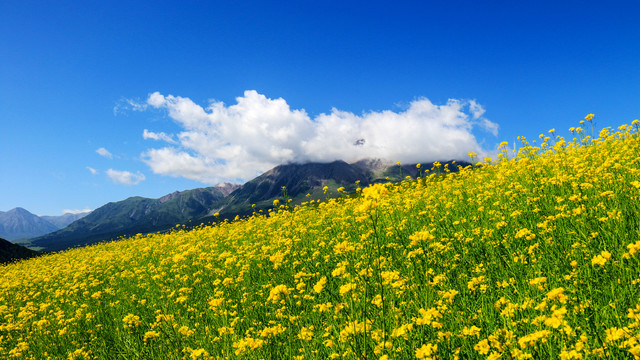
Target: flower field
[(532, 255)]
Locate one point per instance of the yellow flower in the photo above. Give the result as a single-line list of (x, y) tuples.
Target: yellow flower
[(482, 347), (601, 259), (320, 285), (427, 351), (278, 293), (197, 353), (131, 321), (185, 331), (272, 331), (150, 335), (557, 294), (306, 333), (589, 117), (567, 355), (346, 288), (472, 331), (615, 334), (427, 316)]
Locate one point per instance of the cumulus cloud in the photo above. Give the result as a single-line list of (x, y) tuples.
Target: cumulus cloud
[(92, 170), (125, 177), (105, 153), (240, 141)]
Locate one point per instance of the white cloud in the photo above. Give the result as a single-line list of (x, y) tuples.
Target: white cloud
[(146, 134), (125, 105), (476, 109), (67, 211), (489, 126), (125, 177), (237, 142), (92, 170), (104, 152)]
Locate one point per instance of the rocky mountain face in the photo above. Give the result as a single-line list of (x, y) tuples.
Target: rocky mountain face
[(227, 188)]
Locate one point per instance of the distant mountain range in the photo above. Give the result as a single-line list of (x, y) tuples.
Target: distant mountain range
[(19, 223), (302, 182), (132, 216)]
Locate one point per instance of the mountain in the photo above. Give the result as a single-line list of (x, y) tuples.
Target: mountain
[(298, 182), (227, 188), (63, 220), (11, 252), (305, 182), (19, 223), (131, 216), (298, 179)]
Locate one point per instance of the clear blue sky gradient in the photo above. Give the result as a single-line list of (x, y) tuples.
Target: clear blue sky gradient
[(65, 65)]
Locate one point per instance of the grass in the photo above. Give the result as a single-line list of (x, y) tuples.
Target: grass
[(530, 257)]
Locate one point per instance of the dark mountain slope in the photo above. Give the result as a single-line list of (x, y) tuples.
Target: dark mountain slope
[(11, 252)]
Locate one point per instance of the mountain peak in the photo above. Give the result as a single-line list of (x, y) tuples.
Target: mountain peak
[(168, 197), (19, 223), (226, 188), (373, 164), (19, 210)]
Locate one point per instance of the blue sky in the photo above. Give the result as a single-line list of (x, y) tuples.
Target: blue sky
[(226, 89)]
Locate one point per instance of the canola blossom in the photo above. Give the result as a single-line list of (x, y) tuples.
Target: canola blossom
[(530, 256)]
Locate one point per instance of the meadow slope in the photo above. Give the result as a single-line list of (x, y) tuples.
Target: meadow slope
[(536, 256)]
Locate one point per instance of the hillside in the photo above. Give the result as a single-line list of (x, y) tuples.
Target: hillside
[(131, 216), (305, 182), (526, 258), (12, 252)]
